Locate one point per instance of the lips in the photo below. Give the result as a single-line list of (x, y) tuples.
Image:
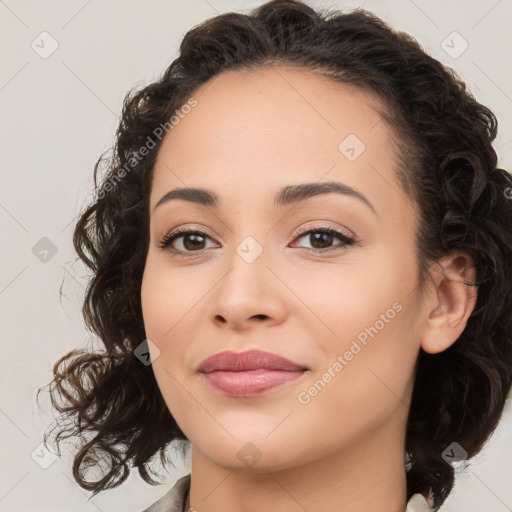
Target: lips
[(248, 373), (246, 361)]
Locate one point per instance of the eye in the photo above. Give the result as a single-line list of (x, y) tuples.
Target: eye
[(321, 238), (192, 241)]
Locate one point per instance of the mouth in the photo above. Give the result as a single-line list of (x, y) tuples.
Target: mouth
[(248, 373)]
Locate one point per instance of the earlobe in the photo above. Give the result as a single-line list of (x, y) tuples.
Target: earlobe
[(454, 297)]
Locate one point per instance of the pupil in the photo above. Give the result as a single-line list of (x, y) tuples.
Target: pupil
[(318, 236), (194, 244)]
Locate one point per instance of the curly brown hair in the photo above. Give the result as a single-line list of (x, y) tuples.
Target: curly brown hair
[(448, 168)]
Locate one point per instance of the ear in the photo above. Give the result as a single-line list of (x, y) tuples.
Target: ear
[(451, 302)]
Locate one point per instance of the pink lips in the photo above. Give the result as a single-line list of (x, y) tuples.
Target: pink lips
[(248, 373)]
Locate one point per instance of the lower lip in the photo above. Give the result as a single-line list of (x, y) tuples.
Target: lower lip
[(249, 383)]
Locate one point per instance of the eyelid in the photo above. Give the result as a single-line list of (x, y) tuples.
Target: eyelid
[(319, 227)]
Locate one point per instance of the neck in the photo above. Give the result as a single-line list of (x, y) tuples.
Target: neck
[(367, 475)]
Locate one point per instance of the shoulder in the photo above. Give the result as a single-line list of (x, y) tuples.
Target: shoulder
[(418, 503), (174, 499)]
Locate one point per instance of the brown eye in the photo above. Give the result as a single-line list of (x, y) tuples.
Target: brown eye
[(193, 241), (184, 241), (321, 239)]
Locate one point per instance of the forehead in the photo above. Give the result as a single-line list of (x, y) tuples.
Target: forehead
[(263, 128)]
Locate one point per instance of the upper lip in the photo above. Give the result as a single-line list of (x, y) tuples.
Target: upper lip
[(246, 361)]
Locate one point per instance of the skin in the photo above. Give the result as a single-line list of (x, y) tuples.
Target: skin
[(250, 134)]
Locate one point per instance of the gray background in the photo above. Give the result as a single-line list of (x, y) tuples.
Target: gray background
[(59, 113)]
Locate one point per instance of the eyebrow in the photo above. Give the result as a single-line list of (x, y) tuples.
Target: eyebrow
[(291, 194)]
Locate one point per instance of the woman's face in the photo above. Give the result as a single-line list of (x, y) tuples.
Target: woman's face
[(350, 314)]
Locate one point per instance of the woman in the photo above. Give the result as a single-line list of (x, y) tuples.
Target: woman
[(302, 265)]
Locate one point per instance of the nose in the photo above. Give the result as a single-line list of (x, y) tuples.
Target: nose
[(248, 295)]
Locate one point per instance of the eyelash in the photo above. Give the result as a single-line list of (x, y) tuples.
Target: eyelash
[(166, 241)]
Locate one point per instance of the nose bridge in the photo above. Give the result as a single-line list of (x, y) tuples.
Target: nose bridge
[(246, 279), (248, 288)]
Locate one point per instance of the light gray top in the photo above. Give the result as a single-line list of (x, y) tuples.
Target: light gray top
[(174, 500)]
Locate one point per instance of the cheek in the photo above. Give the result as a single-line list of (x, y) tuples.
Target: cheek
[(358, 296), (168, 297), (164, 308), (368, 357), (173, 300)]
